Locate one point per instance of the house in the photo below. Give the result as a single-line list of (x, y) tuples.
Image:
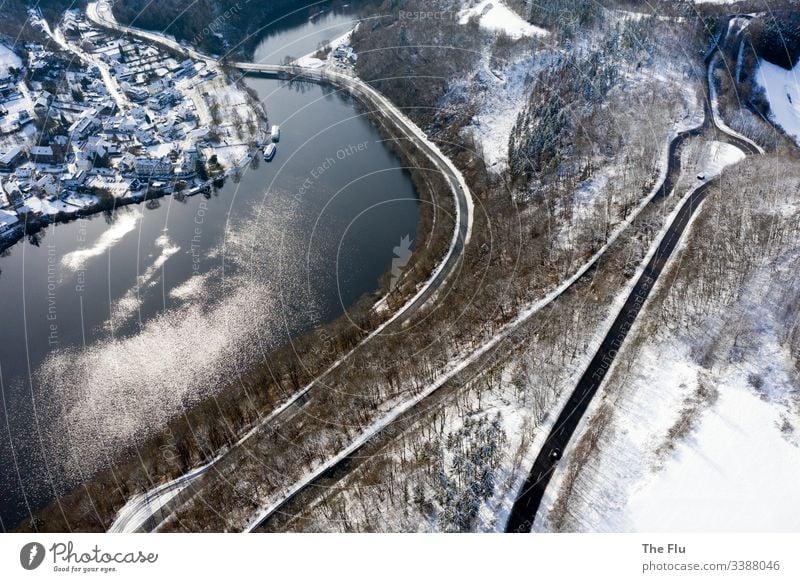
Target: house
[(47, 184), (7, 220), (13, 195), (10, 159), (98, 147), (144, 137), (83, 127), (151, 167), (24, 172), (42, 103), (83, 160), (106, 107), (137, 94), (73, 179), (42, 154)]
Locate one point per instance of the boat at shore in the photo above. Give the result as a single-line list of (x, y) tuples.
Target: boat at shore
[(269, 152)]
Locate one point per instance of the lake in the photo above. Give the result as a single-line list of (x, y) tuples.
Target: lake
[(113, 324)]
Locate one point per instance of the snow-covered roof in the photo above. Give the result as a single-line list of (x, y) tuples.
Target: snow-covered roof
[(7, 219)]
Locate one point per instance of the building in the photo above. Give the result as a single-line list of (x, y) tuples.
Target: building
[(73, 179), (7, 220), (42, 154), (10, 159), (83, 127), (152, 167), (42, 104), (136, 93)]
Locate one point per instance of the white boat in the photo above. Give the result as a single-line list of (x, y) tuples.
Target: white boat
[(275, 134), (269, 152)]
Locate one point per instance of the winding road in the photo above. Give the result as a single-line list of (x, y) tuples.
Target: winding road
[(530, 497), (147, 510)]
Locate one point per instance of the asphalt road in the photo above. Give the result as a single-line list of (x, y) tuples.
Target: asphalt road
[(141, 511), (527, 503), (529, 499)]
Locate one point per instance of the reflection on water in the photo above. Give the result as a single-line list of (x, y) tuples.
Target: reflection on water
[(111, 327), (303, 31)]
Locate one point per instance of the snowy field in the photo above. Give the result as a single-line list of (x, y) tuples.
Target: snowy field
[(703, 401), (495, 16), (729, 473), (783, 92), (8, 58)]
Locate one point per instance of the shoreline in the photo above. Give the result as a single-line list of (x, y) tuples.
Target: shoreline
[(35, 225), (331, 329), (443, 249)]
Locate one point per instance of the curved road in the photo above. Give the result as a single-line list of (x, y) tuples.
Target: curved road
[(140, 511), (145, 507), (528, 501), (530, 496)]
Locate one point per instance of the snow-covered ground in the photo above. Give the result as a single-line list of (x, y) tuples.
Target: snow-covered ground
[(783, 92), (729, 473), (703, 433), (716, 157), (8, 58), (507, 92), (495, 16)]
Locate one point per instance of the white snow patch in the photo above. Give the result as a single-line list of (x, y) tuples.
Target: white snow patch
[(731, 475), (8, 58), (717, 156), (783, 93), (310, 62), (496, 16), (589, 189), (505, 98)]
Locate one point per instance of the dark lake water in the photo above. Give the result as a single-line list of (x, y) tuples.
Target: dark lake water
[(302, 32), (113, 324)]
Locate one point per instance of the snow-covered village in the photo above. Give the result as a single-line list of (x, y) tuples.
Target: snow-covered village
[(93, 120)]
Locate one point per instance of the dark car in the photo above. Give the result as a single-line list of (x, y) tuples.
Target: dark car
[(555, 455)]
